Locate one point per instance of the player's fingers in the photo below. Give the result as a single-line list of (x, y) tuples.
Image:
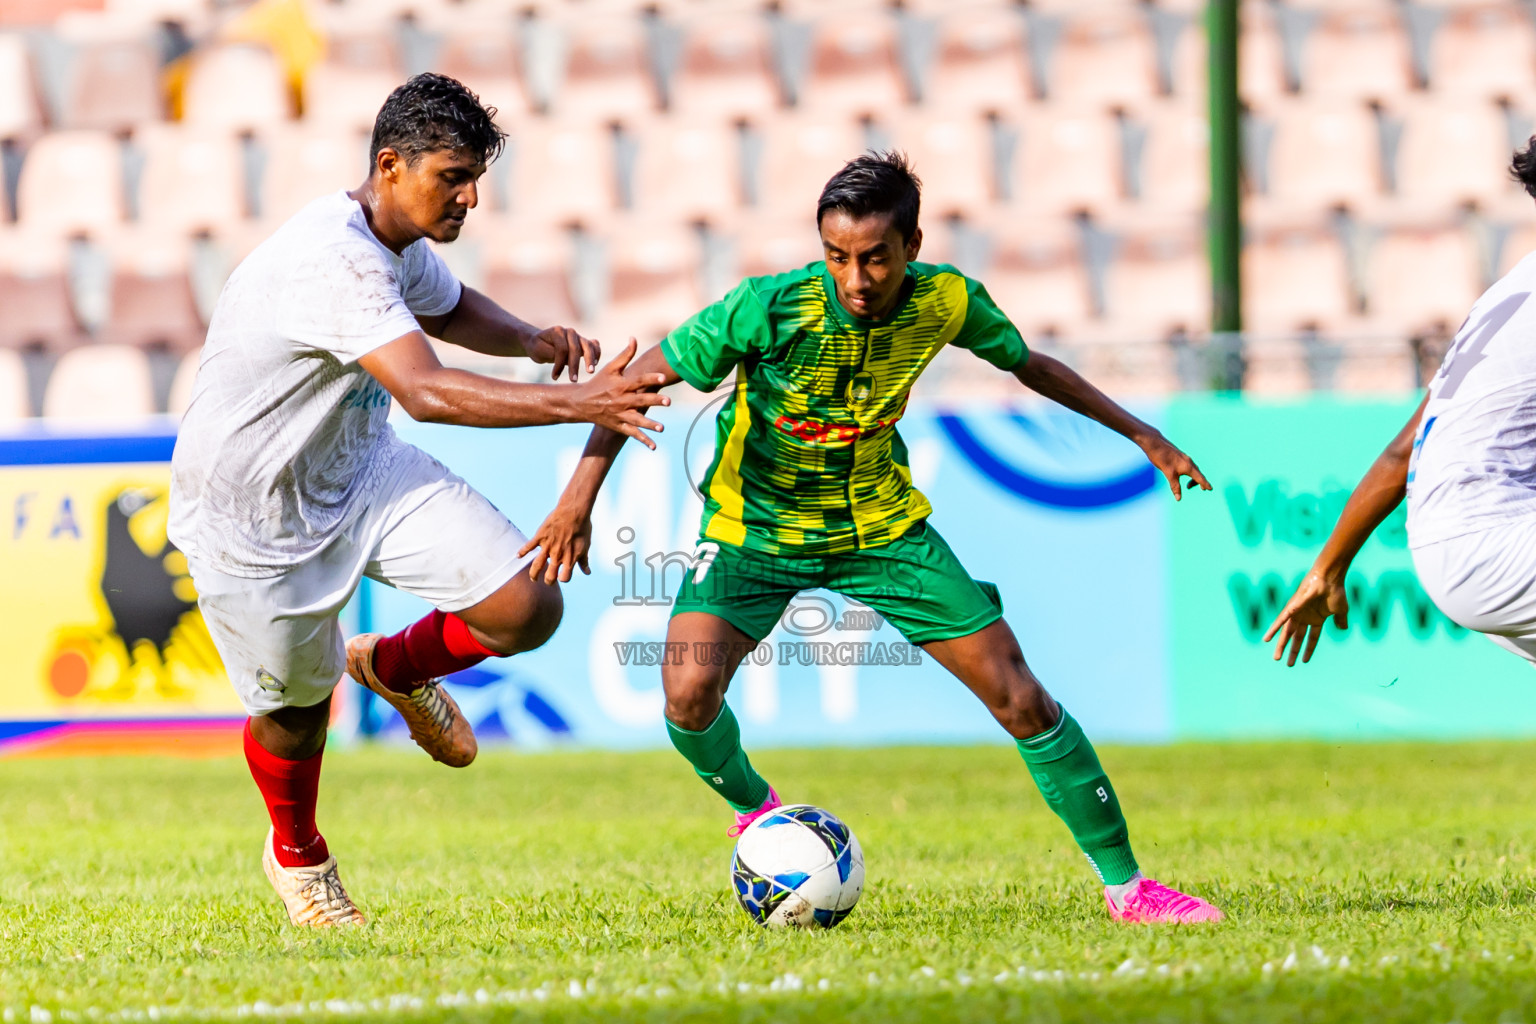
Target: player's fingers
[(622, 359), (1198, 477), (1276, 626), (529, 546), (573, 355), (637, 434), (1341, 619), (639, 419), (1173, 481), (1285, 636), (593, 350), (1295, 648), (581, 560), (1313, 636), (537, 565)]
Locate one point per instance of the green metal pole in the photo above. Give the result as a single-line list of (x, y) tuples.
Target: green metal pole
[(1226, 166)]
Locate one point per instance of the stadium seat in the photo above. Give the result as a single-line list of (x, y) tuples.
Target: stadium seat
[(558, 172), (527, 272), (1356, 53), (1324, 152), (346, 98), (725, 69), (35, 307), (192, 180), (686, 169), (1416, 276), (71, 181), (1175, 161), (1520, 244), (1067, 158), (1104, 57), (800, 152), (1294, 275), (151, 298), (854, 69), (979, 61), (607, 74), (1159, 281), (953, 156), (654, 279), (1483, 49), (181, 385), (1037, 275), (1452, 150), (108, 76), (1260, 54), (100, 382), (770, 243), (20, 113), (15, 403), (234, 88), (476, 43), (304, 163)]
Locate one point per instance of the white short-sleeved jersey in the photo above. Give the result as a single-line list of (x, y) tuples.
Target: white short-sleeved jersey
[(1474, 458), (286, 438)]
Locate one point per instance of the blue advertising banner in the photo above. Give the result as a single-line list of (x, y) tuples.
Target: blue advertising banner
[(1063, 515)]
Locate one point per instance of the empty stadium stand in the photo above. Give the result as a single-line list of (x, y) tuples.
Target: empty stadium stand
[(658, 150)]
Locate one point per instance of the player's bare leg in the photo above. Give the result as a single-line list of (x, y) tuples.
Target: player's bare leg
[(1067, 770), (284, 750), (407, 669), (708, 650)]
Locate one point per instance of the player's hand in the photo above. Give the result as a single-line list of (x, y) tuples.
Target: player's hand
[(1174, 465), (566, 349), (1300, 623), (563, 540), (610, 399)]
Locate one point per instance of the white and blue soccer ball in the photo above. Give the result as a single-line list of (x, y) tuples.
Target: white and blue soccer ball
[(798, 866)]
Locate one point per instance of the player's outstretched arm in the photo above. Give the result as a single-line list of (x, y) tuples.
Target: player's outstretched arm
[(1061, 384), (428, 391), (480, 325), (565, 537), (1321, 595)]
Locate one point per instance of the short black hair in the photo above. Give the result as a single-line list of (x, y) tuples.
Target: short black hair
[(1523, 167), (431, 112), (877, 182)]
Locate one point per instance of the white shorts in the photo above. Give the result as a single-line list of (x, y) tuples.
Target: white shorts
[(427, 532), (1486, 581)]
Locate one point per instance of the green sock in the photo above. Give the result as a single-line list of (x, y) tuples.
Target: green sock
[(717, 757), (1074, 785)]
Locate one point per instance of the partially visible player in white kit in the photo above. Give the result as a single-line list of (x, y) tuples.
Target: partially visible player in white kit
[(288, 485), (1467, 463)]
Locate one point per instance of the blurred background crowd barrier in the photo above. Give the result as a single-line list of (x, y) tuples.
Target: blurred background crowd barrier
[(660, 150), (657, 152), (1143, 616)]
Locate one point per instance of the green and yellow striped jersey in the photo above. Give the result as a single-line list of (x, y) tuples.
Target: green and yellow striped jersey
[(807, 457)]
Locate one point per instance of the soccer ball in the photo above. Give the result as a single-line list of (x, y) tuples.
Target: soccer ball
[(797, 866)]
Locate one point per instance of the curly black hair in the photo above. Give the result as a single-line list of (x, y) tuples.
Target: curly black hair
[(880, 182), (1523, 167), (432, 112)]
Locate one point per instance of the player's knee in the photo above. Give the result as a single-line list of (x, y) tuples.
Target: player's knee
[(693, 695), (529, 624), (1026, 709)]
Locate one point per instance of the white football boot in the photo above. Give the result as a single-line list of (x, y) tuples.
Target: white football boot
[(314, 896)]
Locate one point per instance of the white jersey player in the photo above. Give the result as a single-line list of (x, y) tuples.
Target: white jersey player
[(288, 485), (1467, 463)]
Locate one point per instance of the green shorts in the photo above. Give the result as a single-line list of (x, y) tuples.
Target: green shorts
[(916, 584)]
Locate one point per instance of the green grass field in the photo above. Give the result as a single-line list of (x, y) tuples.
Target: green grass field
[(1389, 882)]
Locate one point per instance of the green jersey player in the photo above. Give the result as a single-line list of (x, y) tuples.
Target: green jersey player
[(809, 487)]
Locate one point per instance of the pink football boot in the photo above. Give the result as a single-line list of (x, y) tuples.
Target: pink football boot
[(743, 820), (1152, 902)]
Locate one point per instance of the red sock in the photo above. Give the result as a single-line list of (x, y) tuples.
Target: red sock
[(290, 789), (438, 645)]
